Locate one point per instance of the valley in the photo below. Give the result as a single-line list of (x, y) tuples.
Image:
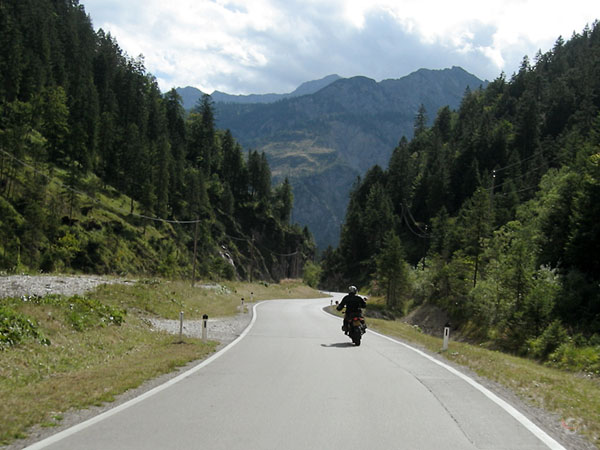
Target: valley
[(326, 138)]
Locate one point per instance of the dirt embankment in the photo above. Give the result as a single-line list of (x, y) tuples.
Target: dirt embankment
[(429, 318)]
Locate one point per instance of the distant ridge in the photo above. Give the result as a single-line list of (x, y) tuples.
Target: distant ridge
[(191, 95)]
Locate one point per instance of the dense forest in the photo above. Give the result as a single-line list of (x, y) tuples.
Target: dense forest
[(100, 172), (493, 212)]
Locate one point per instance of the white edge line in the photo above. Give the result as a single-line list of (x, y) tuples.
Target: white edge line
[(533, 428), (83, 425)]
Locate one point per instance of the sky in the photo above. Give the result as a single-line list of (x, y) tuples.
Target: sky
[(272, 46)]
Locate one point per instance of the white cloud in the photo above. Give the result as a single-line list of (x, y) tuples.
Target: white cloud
[(255, 46)]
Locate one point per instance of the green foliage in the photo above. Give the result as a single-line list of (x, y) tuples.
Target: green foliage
[(16, 327), (81, 313), (85, 313), (311, 274), (392, 272), (551, 339), (576, 358)]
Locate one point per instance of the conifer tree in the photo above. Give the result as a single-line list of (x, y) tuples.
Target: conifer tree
[(392, 271)]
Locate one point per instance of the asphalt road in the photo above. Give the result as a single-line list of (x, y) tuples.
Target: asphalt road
[(294, 381)]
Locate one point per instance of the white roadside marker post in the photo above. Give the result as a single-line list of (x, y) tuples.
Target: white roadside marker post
[(204, 324), (181, 326), (446, 336), (242, 307)]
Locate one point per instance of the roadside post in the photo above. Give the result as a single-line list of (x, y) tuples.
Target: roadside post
[(242, 306), (180, 326), (446, 336), (204, 325)]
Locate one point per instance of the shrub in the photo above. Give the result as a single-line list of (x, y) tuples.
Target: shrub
[(552, 338), (15, 327), (579, 359), (85, 313), (312, 274), (82, 313)]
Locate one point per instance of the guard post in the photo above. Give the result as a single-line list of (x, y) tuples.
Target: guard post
[(204, 326)]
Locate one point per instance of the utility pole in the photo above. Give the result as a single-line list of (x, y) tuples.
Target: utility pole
[(492, 192), (251, 257), (195, 250)]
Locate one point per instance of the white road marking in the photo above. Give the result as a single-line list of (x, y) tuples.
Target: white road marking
[(111, 412), (533, 428)]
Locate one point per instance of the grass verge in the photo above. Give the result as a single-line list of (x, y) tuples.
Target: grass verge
[(166, 299), (92, 359)]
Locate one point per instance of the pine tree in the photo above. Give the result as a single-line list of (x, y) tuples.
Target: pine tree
[(234, 171), (392, 272), (420, 125), (475, 223), (55, 126), (284, 200)]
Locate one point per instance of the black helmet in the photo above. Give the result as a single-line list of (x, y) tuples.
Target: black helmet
[(352, 290)]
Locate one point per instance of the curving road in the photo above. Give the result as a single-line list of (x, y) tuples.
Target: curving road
[(294, 381)]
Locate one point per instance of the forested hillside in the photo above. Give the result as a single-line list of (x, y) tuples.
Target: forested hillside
[(493, 212), (101, 173)]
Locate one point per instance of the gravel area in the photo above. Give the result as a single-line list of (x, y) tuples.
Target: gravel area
[(19, 285), (223, 330)]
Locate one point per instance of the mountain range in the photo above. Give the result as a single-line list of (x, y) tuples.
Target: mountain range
[(191, 95), (328, 132)]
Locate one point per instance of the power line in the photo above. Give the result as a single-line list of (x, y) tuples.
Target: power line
[(541, 152), (424, 236), (523, 190), (530, 171), (262, 246), (424, 232)]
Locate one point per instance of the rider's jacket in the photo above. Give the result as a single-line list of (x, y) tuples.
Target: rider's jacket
[(353, 304)]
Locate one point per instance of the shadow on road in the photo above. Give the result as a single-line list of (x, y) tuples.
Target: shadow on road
[(339, 345)]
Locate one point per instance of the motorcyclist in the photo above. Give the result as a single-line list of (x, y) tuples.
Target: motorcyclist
[(354, 304)]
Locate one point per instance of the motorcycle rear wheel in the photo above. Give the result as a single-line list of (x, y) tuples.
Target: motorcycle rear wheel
[(356, 335)]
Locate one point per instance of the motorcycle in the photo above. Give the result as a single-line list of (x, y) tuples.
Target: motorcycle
[(355, 328)]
